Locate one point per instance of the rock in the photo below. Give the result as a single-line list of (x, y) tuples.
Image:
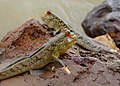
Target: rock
[(2, 54), (96, 75), (103, 19), (25, 39), (107, 41), (115, 65)]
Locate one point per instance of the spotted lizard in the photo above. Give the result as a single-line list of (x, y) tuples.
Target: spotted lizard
[(41, 57), (53, 21), (57, 24)]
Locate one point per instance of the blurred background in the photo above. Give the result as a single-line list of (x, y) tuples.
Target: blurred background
[(13, 13)]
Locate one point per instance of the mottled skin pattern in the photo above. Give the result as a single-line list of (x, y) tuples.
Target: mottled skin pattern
[(45, 54), (58, 25)]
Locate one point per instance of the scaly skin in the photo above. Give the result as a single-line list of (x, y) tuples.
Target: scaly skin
[(45, 54), (58, 24)]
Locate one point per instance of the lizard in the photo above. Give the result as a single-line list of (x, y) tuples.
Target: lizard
[(50, 51), (55, 22)]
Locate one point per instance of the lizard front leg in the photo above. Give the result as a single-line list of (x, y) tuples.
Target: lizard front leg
[(55, 56)]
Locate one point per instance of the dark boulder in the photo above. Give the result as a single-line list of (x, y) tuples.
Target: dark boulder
[(103, 19)]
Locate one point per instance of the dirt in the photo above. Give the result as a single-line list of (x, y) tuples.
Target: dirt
[(94, 75)]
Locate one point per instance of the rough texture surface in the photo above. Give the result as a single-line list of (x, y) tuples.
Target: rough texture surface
[(24, 39), (85, 71), (87, 68), (103, 19)]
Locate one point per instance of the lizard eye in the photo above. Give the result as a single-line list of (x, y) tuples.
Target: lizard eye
[(71, 31), (48, 12)]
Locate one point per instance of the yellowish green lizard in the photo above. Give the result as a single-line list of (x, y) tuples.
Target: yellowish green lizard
[(45, 54), (58, 24)]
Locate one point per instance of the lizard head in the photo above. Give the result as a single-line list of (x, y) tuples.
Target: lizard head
[(70, 38), (52, 20), (48, 17)]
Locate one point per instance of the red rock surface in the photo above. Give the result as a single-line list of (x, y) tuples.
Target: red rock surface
[(25, 39)]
